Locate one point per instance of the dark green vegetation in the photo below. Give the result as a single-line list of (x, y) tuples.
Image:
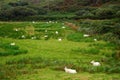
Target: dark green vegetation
[(25, 10)]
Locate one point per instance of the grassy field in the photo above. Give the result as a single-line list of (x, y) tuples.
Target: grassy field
[(46, 59)]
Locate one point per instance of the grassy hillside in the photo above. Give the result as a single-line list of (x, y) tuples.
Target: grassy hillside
[(46, 57)]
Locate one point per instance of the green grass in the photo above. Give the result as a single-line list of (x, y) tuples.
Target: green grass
[(45, 60)]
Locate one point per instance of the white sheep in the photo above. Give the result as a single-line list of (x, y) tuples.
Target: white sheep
[(33, 22), (63, 27), (46, 36), (56, 32), (33, 37), (72, 71), (16, 29), (95, 63), (95, 39), (59, 39), (23, 36), (12, 44), (86, 35)]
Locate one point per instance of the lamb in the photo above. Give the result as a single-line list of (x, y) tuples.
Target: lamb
[(95, 63), (72, 71)]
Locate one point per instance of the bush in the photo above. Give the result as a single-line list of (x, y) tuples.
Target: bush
[(105, 13), (86, 12), (118, 14), (40, 11), (17, 13), (19, 3), (110, 37)]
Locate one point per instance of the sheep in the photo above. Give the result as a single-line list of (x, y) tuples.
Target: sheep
[(86, 35), (33, 22), (72, 71), (23, 36), (46, 36), (95, 63), (59, 39), (56, 32), (63, 27), (95, 39), (16, 29), (12, 44), (33, 37), (50, 22)]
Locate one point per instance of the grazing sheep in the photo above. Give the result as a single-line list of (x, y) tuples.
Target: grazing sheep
[(95, 63), (72, 71), (33, 22), (56, 32), (12, 44), (33, 37), (63, 27), (46, 36), (23, 36), (50, 22), (86, 35), (95, 39), (16, 29), (59, 39)]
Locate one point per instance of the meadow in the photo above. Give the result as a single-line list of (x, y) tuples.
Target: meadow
[(43, 49)]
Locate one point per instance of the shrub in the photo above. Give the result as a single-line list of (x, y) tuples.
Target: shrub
[(19, 3), (40, 11), (118, 14), (17, 13), (104, 13), (110, 37)]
